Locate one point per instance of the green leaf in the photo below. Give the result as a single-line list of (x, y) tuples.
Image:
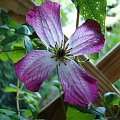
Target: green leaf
[(4, 117), (38, 2), (10, 89), (57, 84), (73, 114), (23, 30), (10, 39), (28, 44), (13, 24), (27, 113), (117, 101), (13, 55), (3, 29), (7, 112), (92, 9), (110, 98), (17, 117), (3, 56), (94, 56), (37, 95)]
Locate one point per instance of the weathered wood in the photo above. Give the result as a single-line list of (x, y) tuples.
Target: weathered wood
[(53, 110), (110, 64), (17, 9)]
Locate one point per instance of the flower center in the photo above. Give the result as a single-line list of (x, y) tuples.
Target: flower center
[(60, 53)]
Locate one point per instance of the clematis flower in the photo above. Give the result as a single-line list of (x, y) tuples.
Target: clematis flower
[(78, 86)]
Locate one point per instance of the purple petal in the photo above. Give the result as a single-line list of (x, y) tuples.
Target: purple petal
[(87, 39), (34, 68), (79, 87), (45, 19)]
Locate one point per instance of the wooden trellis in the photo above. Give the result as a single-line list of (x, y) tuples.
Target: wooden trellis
[(107, 71)]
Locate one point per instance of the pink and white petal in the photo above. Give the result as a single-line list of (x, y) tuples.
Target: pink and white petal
[(79, 87), (34, 68), (45, 19), (87, 39)]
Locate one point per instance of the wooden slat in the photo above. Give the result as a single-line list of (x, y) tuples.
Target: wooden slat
[(53, 110), (17, 9), (110, 64)]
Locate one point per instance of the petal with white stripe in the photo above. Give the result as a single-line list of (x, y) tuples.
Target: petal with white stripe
[(79, 87), (87, 39), (45, 19), (34, 68)]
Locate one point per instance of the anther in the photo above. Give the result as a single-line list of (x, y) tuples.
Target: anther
[(53, 56), (56, 46), (70, 49), (51, 46)]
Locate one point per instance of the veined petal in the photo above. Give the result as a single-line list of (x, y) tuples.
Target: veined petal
[(79, 87), (87, 39), (45, 19), (34, 68)]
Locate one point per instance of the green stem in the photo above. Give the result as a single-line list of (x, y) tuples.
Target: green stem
[(77, 24), (114, 117), (64, 109), (77, 19), (17, 98)]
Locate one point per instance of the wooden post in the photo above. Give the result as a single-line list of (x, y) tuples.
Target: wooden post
[(110, 64)]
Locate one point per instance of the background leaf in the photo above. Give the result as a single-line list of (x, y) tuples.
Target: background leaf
[(94, 56), (92, 9), (7, 112), (3, 29), (4, 117), (73, 114), (13, 55), (10, 39), (110, 98), (28, 44), (23, 30)]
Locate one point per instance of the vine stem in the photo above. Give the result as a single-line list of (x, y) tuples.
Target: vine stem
[(77, 24), (107, 107), (64, 109), (77, 19), (17, 98)]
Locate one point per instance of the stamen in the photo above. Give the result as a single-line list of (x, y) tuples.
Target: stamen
[(56, 45), (64, 63), (62, 44), (51, 46), (53, 56), (68, 55), (67, 46), (69, 49)]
